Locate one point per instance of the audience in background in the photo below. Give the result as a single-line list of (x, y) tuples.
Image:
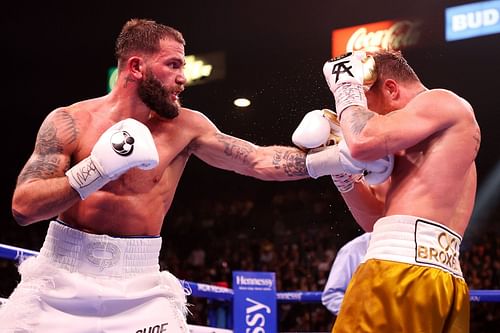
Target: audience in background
[(295, 233)]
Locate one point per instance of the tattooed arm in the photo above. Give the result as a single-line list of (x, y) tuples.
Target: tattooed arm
[(42, 190), (371, 136), (266, 163), (230, 153)]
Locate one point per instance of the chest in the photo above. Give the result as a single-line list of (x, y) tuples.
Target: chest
[(171, 145)]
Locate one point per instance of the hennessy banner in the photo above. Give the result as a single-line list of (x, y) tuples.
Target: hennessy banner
[(254, 302)]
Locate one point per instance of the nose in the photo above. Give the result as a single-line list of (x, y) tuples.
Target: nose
[(181, 78)]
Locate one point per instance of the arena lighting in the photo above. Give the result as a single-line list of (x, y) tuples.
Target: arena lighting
[(112, 77), (241, 102), (198, 69)]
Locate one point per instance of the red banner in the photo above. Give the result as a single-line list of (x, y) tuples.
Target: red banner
[(390, 34)]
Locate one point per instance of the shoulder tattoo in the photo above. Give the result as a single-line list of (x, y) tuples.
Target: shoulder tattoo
[(55, 132)]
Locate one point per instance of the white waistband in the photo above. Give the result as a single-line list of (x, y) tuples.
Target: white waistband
[(414, 240), (100, 255)]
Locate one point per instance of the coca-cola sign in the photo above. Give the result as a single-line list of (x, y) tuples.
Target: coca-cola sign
[(389, 35)]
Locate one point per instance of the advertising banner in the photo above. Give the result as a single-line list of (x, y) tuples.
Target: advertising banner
[(254, 302)]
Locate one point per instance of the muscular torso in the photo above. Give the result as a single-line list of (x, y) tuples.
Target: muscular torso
[(137, 202), (436, 179)]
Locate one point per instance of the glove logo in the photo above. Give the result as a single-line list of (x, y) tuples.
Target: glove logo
[(340, 68), (122, 143)]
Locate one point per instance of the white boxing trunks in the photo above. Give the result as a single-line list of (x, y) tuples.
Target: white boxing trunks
[(414, 240), (410, 281), (85, 283)]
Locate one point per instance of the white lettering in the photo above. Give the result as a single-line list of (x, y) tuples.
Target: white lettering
[(490, 17), (257, 306), (459, 22), (255, 320), (252, 320), (256, 330), (399, 35), (214, 289), (475, 20), (241, 280)]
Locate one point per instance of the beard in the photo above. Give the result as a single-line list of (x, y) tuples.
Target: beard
[(156, 97)]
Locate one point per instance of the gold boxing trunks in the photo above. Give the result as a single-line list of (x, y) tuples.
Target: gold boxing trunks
[(410, 281)]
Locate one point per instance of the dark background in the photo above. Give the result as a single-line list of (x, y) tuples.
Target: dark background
[(55, 53)]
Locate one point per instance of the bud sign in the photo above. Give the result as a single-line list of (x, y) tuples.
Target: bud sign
[(472, 20)]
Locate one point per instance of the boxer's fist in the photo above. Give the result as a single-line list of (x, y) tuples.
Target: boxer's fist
[(317, 128), (350, 67), (313, 131), (377, 177), (337, 160), (336, 134), (348, 76), (125, 145), (374, 172), (331, 160)]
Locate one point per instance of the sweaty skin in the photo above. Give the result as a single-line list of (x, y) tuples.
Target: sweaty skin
[(137, 202), (435, 138)]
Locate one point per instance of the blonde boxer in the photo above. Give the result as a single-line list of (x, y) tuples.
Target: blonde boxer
[(410, 280)]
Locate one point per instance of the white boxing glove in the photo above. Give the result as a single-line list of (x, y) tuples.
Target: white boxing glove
[(313, 131), (348, 76), (125, 145), (337, 160), (377, 177), (317, 128)]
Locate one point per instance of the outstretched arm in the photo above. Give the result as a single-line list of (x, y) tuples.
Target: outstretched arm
[(227, 152), (267, 163)]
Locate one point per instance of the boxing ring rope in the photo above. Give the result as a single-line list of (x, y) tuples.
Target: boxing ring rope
[(225, 295)]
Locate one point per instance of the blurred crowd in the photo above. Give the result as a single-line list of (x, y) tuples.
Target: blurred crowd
[(294, 231)]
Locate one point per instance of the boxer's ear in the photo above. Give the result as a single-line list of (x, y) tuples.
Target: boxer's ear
[(391, 89), (136, 67)]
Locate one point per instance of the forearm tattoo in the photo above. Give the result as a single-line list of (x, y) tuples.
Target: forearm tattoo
[(235, 149), (358, 117), (292, 162), (46, 162)]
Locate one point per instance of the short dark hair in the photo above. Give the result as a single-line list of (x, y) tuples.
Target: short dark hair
[(144, 36), (391, 64)]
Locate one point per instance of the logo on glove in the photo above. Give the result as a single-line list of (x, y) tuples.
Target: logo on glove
[(340, 68), (122, 143)]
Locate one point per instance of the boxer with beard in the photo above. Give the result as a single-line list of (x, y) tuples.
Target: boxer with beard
[(105, 171)]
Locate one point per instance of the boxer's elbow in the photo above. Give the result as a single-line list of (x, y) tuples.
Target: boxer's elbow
[(360, 150), (21, 217), (23, 211), (365, 148)]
